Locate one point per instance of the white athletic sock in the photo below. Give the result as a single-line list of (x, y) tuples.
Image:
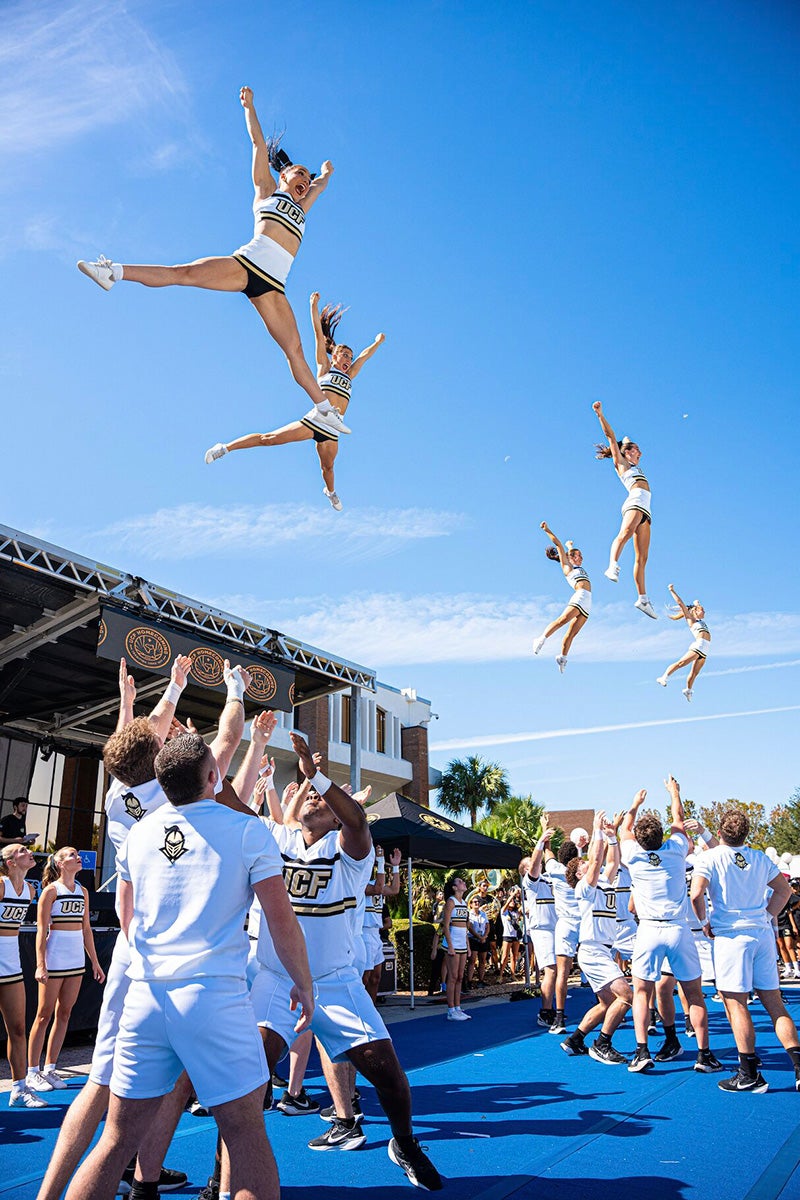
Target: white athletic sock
[(17, 1085), (117, 272), (451, 1010), (324, 407), (49, 1067), (643, 596)]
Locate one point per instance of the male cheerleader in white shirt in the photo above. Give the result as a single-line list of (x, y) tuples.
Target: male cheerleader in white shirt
[(134, 792), (327, 857), (187, 875), (658, 876), (568, 919), (540, 922), (737, 879)]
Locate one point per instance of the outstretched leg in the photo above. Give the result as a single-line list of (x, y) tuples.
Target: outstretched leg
[(575, 627), (294, 432), (276, 313), (217, 274)]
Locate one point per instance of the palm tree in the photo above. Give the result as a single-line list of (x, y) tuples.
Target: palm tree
[(517, 820), (468, 785)]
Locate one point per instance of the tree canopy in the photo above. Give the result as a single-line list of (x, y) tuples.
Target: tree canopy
[(470, 785)]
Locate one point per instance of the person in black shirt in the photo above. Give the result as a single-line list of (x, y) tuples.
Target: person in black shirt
[(12, 826)]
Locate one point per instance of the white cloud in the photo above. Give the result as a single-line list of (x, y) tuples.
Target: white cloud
[(68, 69), (773, 666), (541, 735), (388, 629), (201, 531)]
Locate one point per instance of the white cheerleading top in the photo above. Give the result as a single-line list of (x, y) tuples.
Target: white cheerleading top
[(598, 907), (540, 907), (577, 575), (68, 906), (633, 477), (699, 629), (336, 382), (282, 210), (13, 907), (373, 912), (566, 904)]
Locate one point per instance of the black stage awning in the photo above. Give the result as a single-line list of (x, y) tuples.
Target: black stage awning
[(431, 840), (65, 620)]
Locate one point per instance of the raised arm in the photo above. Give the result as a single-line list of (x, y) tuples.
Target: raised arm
[(393, 888), (262, 728), (597, 850), (231, 723), (697, 829), (358, 363), (127, 696), (317, 186), (263, 180), (376, 887), (629, 820), (320, 345), (684, 610), (540, 849), (354, 835), (610, 436), (562, 554), (612, 852), (162, 715), (676, 805)]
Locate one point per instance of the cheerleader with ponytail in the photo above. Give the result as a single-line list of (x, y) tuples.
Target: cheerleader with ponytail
[(336, 369), (576, 614), (695, 657), (63, 939), (15, 896)]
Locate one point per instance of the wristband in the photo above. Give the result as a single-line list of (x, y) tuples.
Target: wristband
[(612, 840), (173, 693), (703, 833), (395, 870), (539, 845), (320, 783), (380, 864)]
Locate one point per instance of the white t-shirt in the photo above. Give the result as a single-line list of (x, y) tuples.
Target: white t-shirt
[(125, 806), (738, 879), (540, 908), (566, 904), (325, 888), (193, 868), (622, 889), (658, 878), (598, 907)]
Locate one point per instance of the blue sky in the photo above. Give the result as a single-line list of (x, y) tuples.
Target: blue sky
[(541, 205)]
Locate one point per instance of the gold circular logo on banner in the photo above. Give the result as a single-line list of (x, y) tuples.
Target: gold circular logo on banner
[(373, 817), (292, 693), (208, 667), (148, 647), (436, 822), (263, 684), (102, 632)]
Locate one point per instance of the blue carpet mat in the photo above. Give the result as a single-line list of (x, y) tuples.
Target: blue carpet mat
[(505, 1113)]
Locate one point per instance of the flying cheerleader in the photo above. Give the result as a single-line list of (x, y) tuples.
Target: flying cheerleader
[(260, 268), (576, 614), (636, 522), (695, 657), (336, 370)]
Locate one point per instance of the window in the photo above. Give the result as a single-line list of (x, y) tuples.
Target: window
[(346, 702), (380, 730)]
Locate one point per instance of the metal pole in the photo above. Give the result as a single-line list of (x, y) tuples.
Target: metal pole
[(354, 700), (410, 933)]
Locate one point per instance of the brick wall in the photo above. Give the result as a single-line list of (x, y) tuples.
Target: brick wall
[(414, 743)]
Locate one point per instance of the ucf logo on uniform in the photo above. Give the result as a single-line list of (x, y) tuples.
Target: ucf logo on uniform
[(306, 883), (132, 806), (740, 861), (654, 859), (174, 844)]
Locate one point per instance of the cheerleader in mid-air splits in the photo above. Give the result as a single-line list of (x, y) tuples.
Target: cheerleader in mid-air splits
[(576, 614), (260, 268), (695, 657), (626, 456), (336, 370)]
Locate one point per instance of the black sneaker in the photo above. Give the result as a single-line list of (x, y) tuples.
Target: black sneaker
[(417, 1166), (607, 1055), (641, 1061), (545, 1018), (797, 1079), (197, 1109), (169, 1181), (339, 1136), (329, 1113), (210, 1191), (743, 1083), (670, 1049), (574, 1045), (651, 1022), (557, 1026), (707, 1062), (277, 1082), (690, 1029), (299, 1105)]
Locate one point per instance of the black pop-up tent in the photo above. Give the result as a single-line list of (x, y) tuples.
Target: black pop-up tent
[(427, 839)]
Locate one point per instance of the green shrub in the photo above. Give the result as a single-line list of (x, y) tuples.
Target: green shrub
[(423, 941)]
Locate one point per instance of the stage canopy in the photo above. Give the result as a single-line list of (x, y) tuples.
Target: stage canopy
[(65, 620), (431, 840)]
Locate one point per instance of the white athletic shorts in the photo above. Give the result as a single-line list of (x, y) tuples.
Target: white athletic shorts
[(746, 959), (267, 260), (544, 947), (566, 937), (705, 952), (700, 646), (114, 992), (625, 940), (206, 1026), (598, 965), (582, 600), (657, 940), (373, 947), (65, 955), (10, 967), (638, 500)]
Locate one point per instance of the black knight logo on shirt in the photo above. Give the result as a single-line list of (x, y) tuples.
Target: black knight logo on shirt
[(132, 806), (654, 859), (740, 861), (174, 844)]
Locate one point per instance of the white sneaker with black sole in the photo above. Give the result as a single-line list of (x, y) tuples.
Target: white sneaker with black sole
[(339, 1136)]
